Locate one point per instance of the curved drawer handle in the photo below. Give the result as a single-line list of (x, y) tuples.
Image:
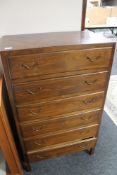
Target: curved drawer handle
[(37, 143), (33, 113), (33, 92), (86, 102), (25, 66), (93, 59), (36, 129), (90, 83), (84, 146), (30, 92), (90, 59), (85, 119), (40, 157)]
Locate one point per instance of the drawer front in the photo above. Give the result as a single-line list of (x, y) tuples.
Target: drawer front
[(61, 150), (58, 62), (48, 127), (55, 88), (52, 109), (71, 135)]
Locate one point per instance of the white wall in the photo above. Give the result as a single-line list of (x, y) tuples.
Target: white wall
[(35, 16)]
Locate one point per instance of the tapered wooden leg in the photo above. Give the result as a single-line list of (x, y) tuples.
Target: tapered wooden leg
[(91, 151), (26, 166)]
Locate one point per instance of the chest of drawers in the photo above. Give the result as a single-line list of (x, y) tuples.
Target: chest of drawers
[(57, 85)]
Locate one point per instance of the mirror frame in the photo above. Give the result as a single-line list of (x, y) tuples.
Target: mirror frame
[(84, 6)]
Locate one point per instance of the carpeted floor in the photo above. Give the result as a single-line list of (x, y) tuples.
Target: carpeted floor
[(111, 99), (103, 162), (2, 165)]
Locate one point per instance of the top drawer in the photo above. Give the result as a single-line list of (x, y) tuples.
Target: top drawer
[(24, 66)]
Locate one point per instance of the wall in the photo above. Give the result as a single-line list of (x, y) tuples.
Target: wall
[(34, 16)]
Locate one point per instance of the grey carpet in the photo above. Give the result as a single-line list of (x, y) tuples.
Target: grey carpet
[(114, 67), (103, 162)]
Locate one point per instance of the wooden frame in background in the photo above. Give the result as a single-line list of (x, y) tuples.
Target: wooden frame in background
[(84, 6), (6, 139)]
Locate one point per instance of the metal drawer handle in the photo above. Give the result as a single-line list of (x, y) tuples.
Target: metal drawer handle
[(25, 66), (93, 59), (90, 59), (39, 157), (36, 143), (83, 147), (33, 92), (36, 129), (30, 92), (33, 113), (88, 101), (85, 119), (90, 83), (29, 67)]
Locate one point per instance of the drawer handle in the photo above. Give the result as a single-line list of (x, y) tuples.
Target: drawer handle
[(36, 129), (90, 83), (33, 113), (39, 157), (29, 67), (25, 66), (93, 59), (36, 143), (88, 101), (32, 92), (83, 147), (85, 119)]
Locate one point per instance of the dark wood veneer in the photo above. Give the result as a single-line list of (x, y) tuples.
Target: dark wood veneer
[(64, 106), (62, 149), (57, 62), (62, 123), (61, 137), (63, 87), (57, 83)]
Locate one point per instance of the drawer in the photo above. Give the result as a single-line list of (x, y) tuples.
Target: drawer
[(55, 108), (62, 149), (24, 66), (68, 122), (55, 88), (57, 138)]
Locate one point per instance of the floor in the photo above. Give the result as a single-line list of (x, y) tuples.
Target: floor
[(2, 165), (114, 68), (111, 98)]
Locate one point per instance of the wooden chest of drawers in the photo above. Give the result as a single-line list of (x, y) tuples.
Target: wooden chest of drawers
[(57, 84)]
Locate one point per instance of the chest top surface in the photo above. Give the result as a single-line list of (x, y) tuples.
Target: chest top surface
[(53, 41)]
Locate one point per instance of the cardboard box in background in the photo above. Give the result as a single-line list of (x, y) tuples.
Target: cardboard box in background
[(97, 16), (114, 12)]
